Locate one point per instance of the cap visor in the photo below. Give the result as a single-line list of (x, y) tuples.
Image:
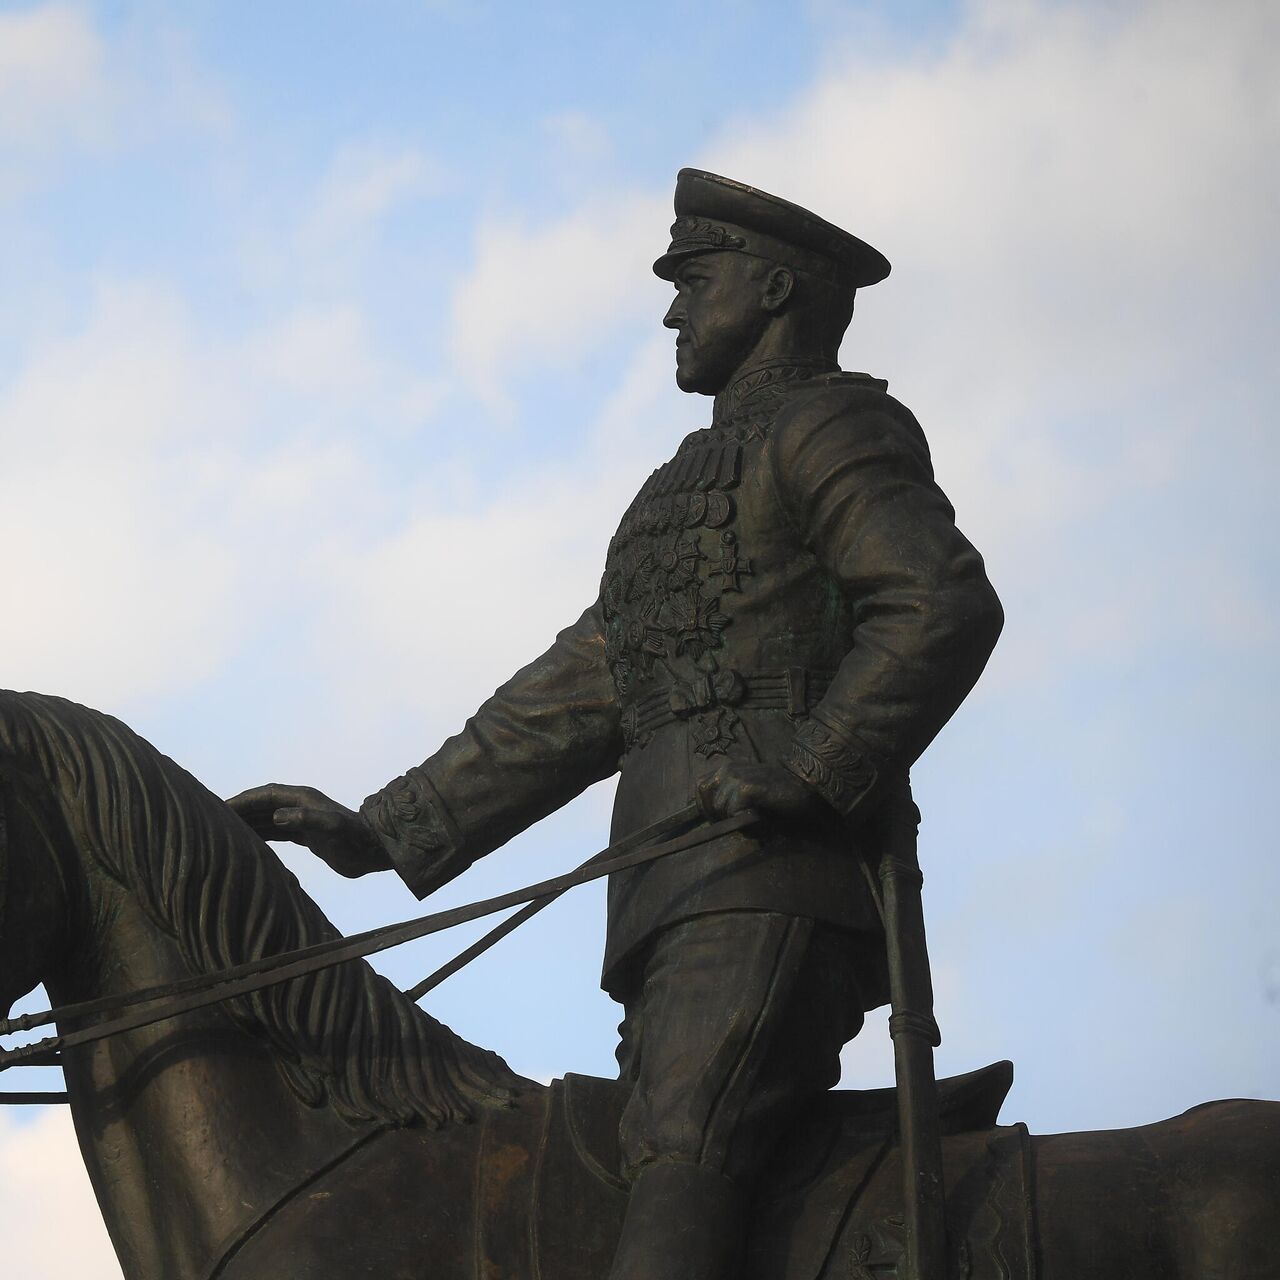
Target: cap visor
[(666, 266)]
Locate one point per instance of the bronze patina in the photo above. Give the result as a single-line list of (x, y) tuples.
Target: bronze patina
[(787, 617)]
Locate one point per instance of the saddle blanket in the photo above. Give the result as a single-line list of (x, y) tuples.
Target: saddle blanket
[(832, 1212)]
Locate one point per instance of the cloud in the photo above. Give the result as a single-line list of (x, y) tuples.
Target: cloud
[(67, 86), (545, 296), (105, 484), (362, 185), (1123, 142), (43, 1188), (327, 356), (52, 76), (578, 139), (145, 461)]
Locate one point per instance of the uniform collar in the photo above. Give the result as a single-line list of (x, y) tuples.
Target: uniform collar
[(770, 373)]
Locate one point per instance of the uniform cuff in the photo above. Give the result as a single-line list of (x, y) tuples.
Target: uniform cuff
[(834, 764), (415, 827)]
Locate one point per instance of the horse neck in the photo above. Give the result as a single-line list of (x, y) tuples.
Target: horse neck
[(188, 1129)]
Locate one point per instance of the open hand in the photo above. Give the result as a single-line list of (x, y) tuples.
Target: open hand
[(767, 787), (308, 817)]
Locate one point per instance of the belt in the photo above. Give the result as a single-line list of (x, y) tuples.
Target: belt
[(794, 690)]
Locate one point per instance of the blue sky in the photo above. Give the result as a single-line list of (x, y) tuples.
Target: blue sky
[(332, 356)]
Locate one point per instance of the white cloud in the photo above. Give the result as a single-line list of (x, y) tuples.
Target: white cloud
[(146, 465), (49, 1219), (466, 591), (577, 138), (326, 355), (68, 83), (362, 185), (52, 76), (103, 500), (544, 296), (323, 248)]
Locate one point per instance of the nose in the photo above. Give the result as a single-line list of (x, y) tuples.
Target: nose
[(675, 317)]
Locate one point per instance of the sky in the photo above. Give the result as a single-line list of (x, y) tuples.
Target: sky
[(331, 357)]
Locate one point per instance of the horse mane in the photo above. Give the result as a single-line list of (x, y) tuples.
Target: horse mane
[(344, 1035)]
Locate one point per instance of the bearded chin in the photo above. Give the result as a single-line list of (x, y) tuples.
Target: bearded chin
[(698, 376)]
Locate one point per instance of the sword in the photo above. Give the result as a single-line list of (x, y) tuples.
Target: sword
[(915, 1035)]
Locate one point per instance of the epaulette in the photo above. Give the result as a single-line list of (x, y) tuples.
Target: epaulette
[(864, 380)]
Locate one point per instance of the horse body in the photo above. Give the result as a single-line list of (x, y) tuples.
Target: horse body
[(1196, 1197), (316, 1130)]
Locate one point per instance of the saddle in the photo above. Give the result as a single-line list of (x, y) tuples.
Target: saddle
[(832, 1208)]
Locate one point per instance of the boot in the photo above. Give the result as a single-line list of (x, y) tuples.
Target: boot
[(684, 1222)]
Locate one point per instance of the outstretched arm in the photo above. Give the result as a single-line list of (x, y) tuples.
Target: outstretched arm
[(547, 734)]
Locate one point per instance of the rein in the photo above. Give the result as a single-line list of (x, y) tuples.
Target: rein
[(155, 1004)]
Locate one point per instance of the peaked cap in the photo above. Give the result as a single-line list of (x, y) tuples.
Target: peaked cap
[(716, 215)]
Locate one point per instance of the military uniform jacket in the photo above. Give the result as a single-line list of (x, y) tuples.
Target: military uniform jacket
[(791, 587)]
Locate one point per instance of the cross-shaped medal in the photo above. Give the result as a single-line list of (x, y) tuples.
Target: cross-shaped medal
[(731, 566)]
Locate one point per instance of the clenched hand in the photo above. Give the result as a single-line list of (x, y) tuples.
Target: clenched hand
[(767, 787)]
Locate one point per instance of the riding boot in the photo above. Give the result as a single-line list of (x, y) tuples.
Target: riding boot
[(683, 1222)]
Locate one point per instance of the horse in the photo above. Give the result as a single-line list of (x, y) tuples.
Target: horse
[(327, 1128)]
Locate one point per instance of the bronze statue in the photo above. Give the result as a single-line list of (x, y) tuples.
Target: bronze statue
[(787, 617)]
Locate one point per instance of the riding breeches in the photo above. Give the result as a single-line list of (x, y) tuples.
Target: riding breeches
[(734, 1023)]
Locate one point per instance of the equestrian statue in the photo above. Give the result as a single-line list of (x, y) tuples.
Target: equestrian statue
[(788, 615)]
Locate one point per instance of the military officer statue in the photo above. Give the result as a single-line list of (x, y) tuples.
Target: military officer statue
[(787, 617)]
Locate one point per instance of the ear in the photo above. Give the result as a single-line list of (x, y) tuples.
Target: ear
[(778, 286)]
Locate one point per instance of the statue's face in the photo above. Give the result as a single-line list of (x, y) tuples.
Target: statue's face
[(719, 316)]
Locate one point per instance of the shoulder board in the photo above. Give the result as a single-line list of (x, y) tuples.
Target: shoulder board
[(863, 380)]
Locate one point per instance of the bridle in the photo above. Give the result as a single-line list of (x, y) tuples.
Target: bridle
[(91, 1020)]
